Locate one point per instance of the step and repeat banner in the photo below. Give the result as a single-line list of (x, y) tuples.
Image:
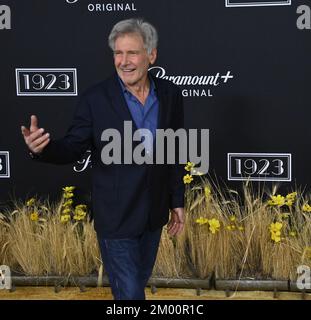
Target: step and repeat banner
[(244, 68)]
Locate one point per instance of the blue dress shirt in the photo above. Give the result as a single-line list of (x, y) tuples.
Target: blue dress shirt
[(145, 116)]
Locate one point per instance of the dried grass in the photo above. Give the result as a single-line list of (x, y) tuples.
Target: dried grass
[(49, 247)]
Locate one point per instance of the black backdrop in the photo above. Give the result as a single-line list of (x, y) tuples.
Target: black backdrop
[(261, 108)]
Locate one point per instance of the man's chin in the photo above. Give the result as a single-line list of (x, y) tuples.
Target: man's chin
[(129, 82)]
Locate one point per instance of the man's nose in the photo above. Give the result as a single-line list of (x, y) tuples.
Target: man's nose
[(125, 59)]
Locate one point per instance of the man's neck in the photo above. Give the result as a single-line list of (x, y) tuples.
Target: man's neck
[(139, 89)]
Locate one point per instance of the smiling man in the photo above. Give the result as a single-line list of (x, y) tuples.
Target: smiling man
[(131, 202), (131, 60)]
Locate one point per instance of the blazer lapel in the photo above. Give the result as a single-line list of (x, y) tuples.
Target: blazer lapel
[(162, 96), (118, 101)]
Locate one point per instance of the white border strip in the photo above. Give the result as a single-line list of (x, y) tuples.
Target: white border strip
[(75, 82), (7, 175), (288, 155), (259, 4)]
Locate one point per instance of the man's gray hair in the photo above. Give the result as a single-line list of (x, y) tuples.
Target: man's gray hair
[(139, 26)]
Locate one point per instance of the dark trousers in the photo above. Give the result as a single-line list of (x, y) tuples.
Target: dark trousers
[(129, 263)]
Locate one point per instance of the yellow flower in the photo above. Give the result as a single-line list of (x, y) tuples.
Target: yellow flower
[(275, 229), (306, 208), (241, 228), (189, 166), (34, 216), (187, 178), (30, 202), (81, 207), (307, 252), (277, 201), (214, 225), (201, 221), (231, 227), (79, 212), (69, 189), (68, 195), (232, 218), (66, 211), (80, 216), (65, 218), (277, 226), (283, 215), (207, 192), (292, 233), (289, 202), (291, 196), (275, 238), (68, 203)]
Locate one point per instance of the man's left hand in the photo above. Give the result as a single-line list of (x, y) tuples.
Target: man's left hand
[(177, 222)]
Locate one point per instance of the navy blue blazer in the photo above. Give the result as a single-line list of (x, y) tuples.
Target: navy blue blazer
[(127, 198)]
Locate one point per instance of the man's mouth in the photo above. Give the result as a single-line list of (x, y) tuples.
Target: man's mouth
[(128, 70)]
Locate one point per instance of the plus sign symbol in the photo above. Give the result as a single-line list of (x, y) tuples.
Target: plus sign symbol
[(227, 76)]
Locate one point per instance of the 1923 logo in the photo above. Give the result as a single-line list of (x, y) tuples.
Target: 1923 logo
[(4, 164), (257, 3), (259, 166), (46, 82)]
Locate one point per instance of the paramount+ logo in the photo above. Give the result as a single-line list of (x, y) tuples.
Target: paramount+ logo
[(108, 7), (5, 17)]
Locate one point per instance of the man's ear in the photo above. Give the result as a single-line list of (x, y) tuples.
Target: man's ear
[(153, 55)]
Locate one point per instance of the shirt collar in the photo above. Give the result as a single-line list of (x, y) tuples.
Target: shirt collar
[(152, 85)]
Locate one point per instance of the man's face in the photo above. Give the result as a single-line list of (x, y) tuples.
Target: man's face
[(131, 59)]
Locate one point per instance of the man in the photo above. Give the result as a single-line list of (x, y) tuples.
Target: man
[(131, 202)]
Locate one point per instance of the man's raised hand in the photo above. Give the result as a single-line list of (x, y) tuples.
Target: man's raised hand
[(34, 137)]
